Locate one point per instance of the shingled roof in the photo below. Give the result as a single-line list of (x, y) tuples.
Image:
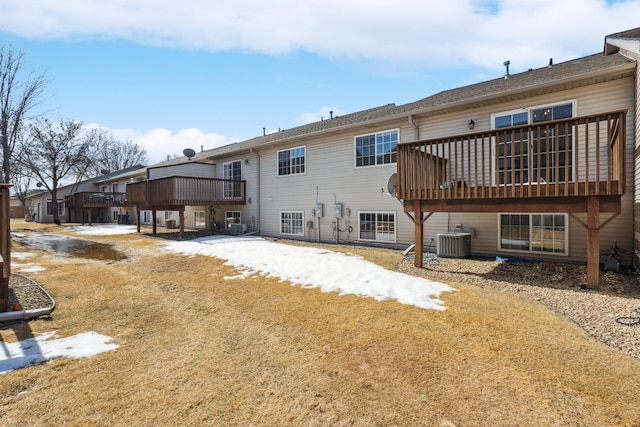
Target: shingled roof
[(520, 85)]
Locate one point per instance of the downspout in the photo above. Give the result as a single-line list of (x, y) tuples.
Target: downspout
[(29, 314), (415, 127), (259, 189)]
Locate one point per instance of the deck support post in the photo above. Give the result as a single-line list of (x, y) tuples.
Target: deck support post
[(418, 238), (153, 218), (137, 208), (181, 218), (593, 242)]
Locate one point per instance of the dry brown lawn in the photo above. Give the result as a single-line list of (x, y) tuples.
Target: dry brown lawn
[(196, 349)]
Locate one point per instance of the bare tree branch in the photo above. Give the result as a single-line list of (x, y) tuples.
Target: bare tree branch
[(19, 94), (53, 153)]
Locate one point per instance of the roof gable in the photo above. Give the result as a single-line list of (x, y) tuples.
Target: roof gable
[(628, 40)]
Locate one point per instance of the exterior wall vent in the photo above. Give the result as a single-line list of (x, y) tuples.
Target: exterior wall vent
[(454, 245)]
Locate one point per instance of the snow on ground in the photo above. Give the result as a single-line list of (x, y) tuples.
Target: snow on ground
[(45, 347), (313, 267), (102, 229), (24, 267)]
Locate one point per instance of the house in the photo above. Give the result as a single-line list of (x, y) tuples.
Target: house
[(539, 164), (99, 199)]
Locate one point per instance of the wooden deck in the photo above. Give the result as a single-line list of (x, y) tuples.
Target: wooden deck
[(176, 192), (94, 200), (570, 165), (179, 191)]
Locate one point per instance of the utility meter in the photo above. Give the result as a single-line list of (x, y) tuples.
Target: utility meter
[(337, 210)]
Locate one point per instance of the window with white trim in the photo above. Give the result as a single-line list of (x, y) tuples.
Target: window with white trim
[(199, 219), (233, 171), (292, 223), (146, 217), (541, 233), (292, 161), (378, 148), (115, 215), (61, 207), (232, 217), (114, 187), (377, 226), (549, 152)]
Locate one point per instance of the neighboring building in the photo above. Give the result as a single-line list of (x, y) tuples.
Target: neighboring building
[(100, 199)]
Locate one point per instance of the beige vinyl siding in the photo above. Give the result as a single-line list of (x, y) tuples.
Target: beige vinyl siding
[(331, 177), (615, 95), (636, 161), (193, 169), (248, 211)]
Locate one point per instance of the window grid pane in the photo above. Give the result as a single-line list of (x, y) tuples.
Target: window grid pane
[(378, 226), (376, 149), (533, 233), (292, 162), (292, 223)]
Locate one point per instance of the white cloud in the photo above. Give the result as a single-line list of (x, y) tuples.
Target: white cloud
[(315, 116), (453, 33), (161, 142)]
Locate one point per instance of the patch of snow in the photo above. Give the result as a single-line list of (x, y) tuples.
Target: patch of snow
[(313, 267), (102, 229), (21, 255), (27, 268), (46, 347)]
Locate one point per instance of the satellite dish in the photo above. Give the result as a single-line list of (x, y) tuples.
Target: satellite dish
[(104, 171), (392, 185), (38, 184), (189, 153)]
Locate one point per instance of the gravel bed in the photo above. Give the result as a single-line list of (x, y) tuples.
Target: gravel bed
[(28, 294), (559, 286)]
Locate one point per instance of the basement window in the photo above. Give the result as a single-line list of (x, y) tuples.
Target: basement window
[(377, 226), (292, 223), (534, 233)]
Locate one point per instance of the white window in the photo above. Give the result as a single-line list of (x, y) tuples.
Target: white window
[(292, 223), (292, 161), (541, 233), (377, 148), (522, 157), (199, 219), (231, 217), (115, 215), (232, 171), (103, 188), (146, 217), (50, 207), (168, 215), (114, 187), (377, 226)]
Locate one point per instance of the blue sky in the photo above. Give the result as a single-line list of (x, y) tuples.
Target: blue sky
[(197, 73)]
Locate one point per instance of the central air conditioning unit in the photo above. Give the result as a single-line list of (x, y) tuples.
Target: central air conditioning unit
[(238, 229), (454, 245)]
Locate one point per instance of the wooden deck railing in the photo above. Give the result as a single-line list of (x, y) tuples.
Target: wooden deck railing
[(580, 156), (94, 200), (186, 191)]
